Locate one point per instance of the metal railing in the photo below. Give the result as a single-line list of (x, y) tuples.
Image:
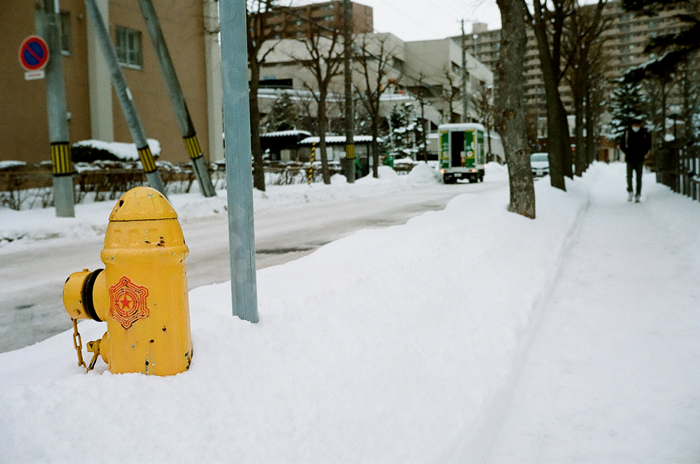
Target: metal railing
[(678, 167)]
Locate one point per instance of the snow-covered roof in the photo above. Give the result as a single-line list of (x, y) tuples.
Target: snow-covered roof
[(461, 126), (123, 151), (287, 133), (336, 139), (11, 164)]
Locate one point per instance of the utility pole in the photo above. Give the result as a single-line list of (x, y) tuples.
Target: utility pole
[(177, 99), (124, 97), (465, 78), (349, 113), (48, 25), (239, 174)]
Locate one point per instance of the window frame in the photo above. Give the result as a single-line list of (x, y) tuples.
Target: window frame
[(66, 33), (128, 51)]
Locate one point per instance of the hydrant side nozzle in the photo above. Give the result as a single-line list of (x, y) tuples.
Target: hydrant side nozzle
[(78, 298)]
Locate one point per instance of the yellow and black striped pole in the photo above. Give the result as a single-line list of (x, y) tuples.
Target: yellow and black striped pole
[(199, 165), (177, 99), (124, 96), (147, 160), (61, 159), (48, 23), (311, 163)]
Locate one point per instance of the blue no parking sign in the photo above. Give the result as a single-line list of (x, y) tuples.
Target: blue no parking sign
[(33, 53)]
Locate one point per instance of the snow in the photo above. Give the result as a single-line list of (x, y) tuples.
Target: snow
[(466, 335), (11, 164), (286, 133), (337, 139), (123, 151), (20, 227)]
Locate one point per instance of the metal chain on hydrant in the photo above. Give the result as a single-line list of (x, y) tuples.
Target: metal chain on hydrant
[(92, 346), (78, 343)]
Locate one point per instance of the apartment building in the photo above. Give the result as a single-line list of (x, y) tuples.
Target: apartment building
[(297, 22), (93, 109), (625, 39)]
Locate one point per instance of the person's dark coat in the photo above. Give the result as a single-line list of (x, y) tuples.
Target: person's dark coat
[(635, 145)]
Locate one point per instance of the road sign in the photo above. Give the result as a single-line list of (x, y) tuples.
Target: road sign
[(33, 53)]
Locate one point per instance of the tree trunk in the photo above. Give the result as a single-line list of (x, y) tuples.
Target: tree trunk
[(256, 147), (322, 127), (591, 141), (510, 73), (578, 114), (375, 145), (557, 125)]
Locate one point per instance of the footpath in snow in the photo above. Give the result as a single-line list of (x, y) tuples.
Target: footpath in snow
[(466, 335)]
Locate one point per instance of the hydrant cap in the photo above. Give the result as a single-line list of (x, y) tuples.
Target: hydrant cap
[(142, 204)]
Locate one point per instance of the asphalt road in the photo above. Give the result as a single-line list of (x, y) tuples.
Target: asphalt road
[(32, 276)]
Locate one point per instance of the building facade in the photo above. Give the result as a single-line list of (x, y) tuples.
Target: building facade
[(429, 70), (93, 109)]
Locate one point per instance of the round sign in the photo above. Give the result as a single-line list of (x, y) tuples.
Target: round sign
[(33, 53)]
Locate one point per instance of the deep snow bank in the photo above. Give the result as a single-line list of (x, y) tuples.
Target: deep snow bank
[(385, 346)]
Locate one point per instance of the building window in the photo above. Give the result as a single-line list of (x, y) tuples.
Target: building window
[(65, 33), (298, 22), (368, 22), (128, 45)]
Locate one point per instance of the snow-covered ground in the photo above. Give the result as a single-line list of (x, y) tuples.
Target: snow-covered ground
[(466, 335), (91, 218)]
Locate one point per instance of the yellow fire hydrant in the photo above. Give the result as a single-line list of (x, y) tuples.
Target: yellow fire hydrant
[(142, 291)]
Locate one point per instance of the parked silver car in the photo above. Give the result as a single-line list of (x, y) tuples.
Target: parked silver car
[(540, 164)]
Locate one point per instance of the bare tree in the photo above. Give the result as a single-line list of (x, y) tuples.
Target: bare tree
[(584, 49), (482, 103), (450, 94), (510, 101), (422, 93), (259, 33), (374, 68), (324, 57), (548, 25)]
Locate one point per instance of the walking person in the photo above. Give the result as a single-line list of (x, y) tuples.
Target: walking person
[(635, 144)]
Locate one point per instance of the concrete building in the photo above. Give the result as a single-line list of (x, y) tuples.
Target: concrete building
[(420, 69), (93, 110)]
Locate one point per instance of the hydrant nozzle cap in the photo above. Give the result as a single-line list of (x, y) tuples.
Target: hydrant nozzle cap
[(142, 204)]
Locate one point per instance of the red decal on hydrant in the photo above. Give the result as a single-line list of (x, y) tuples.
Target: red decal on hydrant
[(127, 302)]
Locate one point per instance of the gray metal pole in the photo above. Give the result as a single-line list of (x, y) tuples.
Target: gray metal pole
[(349, 113), (124, 97), (239, 173), (465, 77), (48, 25), (177, 99)]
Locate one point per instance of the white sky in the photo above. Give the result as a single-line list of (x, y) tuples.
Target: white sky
[(422, 20)]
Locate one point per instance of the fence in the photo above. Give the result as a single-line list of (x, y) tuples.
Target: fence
[(678, 167), (31, 186)]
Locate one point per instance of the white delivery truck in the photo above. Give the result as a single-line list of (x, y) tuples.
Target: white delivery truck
[(462, 152)]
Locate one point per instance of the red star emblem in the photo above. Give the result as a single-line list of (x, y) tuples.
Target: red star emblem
[(127, 302)]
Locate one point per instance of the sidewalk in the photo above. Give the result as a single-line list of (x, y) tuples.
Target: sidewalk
[(613, 371)]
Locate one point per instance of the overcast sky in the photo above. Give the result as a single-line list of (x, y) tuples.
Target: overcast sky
[(431, 19), (428, 19)]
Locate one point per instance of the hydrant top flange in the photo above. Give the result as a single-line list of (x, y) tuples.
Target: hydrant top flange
[(142, 204)]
